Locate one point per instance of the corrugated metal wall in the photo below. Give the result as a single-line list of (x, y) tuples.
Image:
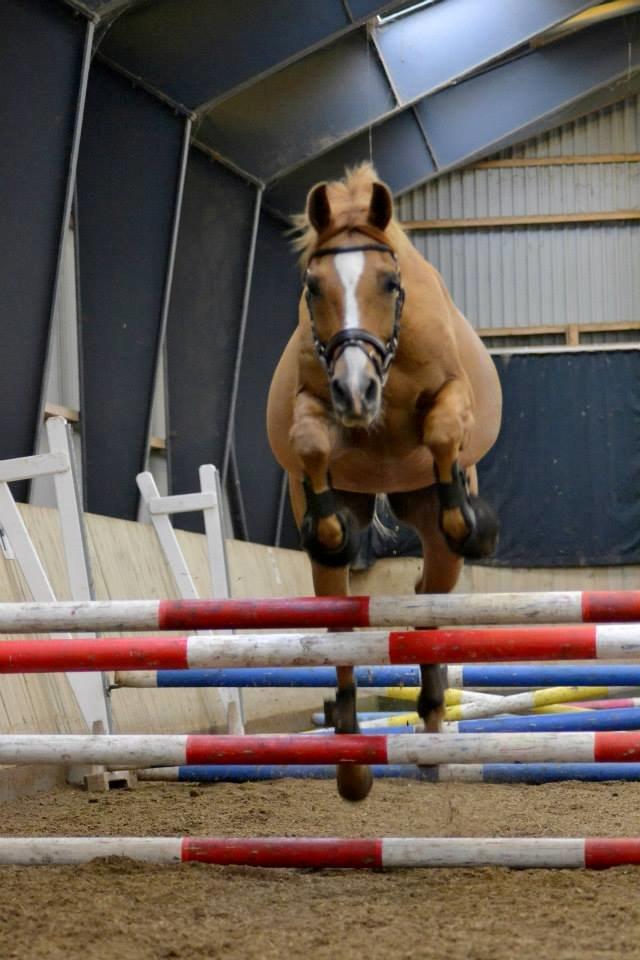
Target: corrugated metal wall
[(542, 275)]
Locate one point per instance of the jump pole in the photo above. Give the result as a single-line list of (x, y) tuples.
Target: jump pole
[(434, 748), (459, 677), (629, 702), (399, 719), (621, 719), (467, 705), (583, 641), (525, 773), (332, 852), (523, 702), (493, 707), (540, 675), (605, 606)]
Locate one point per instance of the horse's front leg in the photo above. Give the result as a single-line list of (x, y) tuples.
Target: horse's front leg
[(440, 571), (468, 523), (330, 537)]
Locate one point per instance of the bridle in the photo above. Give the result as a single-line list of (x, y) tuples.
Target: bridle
[(330, 350)]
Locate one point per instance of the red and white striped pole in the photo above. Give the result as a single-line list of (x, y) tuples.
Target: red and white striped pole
[(331, 852), (460, 645), (613, 606)]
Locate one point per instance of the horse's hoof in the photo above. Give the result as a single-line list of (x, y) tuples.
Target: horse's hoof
[(340, 557), (483, 536), (354, 781)]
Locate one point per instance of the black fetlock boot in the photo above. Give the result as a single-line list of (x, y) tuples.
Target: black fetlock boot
[(479, 517), (319, 507)]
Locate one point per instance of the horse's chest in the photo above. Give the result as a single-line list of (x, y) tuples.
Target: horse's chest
[(382, 460)]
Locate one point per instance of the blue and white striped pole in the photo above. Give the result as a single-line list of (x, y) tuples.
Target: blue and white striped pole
[(473, 675), (531, 773)]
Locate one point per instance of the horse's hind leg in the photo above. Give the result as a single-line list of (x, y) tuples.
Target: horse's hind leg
[(354, 780), (440, 572)]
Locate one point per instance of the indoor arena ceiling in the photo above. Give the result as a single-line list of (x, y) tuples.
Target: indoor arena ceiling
[(286, 93)]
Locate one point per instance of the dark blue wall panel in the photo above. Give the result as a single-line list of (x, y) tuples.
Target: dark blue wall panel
[(564, 475), (128, 175), (40, 70), (204, 319), (273, 315)]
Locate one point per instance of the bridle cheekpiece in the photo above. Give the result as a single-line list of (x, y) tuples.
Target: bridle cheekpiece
[(328, 351)]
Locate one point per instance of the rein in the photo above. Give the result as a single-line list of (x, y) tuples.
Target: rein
[(328, 351)]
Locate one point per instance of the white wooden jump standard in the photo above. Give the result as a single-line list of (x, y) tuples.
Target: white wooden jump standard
[(89, 690), (209, 501), (594, 853), (423, 749), (415, 611)]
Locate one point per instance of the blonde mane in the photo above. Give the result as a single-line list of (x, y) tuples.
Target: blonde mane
[(349, 200)]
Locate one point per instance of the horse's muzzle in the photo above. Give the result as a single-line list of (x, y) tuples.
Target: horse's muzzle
[(356, 404)]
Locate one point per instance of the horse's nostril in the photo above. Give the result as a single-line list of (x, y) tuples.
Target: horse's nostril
[(339, 393), (371, 393)]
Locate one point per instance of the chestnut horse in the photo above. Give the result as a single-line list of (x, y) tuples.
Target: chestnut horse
[(384, 387)]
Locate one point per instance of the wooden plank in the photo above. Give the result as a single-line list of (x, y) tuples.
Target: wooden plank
[(573, 334), (535, 219), (180, 503), (558, 329), (575, 160), (39, 465), (57, 410), (609, 327)]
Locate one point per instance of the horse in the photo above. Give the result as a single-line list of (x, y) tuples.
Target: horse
[(383, 388)]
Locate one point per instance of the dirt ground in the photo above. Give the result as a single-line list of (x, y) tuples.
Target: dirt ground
[(121, 910)]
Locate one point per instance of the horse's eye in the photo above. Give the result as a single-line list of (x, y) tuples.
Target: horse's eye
[(391, 283), (313, 286)]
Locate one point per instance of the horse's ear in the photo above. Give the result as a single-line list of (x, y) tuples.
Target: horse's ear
[(381, 206), (318, 209)]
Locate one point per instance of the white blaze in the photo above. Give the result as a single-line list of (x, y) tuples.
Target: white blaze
[(349, 267)]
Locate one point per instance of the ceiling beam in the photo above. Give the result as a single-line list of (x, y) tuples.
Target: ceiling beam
[(199, 53), (299, 112), (517, 99), (397, 147), (336, 93), (505, 105), (443, 43)]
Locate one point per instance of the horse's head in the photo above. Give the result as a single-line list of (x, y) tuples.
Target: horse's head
[(354, 295)]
